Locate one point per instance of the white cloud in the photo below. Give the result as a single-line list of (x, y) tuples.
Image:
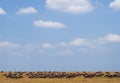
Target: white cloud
[(2, 12), (65, 52), (62, 48), (70, 6), (75, 42), (28, 10), (78, 42), (49, 24), (113, 38), (110, 38), (115, 5), (47, 45), (8, 44)]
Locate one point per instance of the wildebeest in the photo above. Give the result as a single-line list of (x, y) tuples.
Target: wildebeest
[(13, 75), (56, 74), (98, 74), (89, 75)]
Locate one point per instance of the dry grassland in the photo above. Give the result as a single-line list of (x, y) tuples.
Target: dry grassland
[(78, 79)]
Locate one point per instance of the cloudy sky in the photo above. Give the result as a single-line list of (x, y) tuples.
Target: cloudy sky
[(60, 35)]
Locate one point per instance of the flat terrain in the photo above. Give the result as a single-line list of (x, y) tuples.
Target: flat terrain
[(68, 77)]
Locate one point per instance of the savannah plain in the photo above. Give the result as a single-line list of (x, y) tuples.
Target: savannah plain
[(59, 77)]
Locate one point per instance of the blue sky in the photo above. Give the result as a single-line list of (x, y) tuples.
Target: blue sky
[(59, 35)]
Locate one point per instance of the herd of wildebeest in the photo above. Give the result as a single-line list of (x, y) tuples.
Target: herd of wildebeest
[(55, 74)]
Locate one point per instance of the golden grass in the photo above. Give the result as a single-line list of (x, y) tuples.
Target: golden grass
[(59, 80)]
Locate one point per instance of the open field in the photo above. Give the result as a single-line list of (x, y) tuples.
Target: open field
[(59, 77)]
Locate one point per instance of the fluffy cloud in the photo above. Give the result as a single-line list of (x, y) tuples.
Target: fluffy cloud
[(78, 42), (115, 5), (111, 38), (75, 42), (28, 10), (2, 12), (63, 48), (70, 6), (49, 24), (8, 44), (47, 45)]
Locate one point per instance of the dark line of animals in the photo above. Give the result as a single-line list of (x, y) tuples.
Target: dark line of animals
[(55, 74)]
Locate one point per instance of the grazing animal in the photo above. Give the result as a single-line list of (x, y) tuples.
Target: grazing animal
[(89, 75)]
